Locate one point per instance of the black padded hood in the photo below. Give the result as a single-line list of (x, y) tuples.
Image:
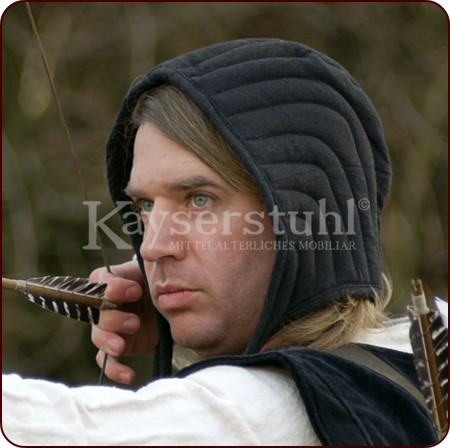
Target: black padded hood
[(312, 141)]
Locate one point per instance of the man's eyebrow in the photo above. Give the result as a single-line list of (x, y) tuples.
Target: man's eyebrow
[(193, 183), (187, 184)]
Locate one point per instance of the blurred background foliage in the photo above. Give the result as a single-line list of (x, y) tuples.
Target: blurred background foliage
[(397, 51)]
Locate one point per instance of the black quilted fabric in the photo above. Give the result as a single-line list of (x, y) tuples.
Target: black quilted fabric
[(309, 136)]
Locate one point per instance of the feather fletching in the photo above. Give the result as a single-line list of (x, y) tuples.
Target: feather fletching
[(429, 340), (73, 297)]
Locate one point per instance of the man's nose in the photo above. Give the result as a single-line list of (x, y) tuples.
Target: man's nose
[(160, 240)]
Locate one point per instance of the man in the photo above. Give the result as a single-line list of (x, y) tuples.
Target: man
[(258, 170)]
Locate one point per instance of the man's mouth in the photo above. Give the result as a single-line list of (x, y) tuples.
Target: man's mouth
[(171, 297)]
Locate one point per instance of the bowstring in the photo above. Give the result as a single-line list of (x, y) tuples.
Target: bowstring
[(72, 151)]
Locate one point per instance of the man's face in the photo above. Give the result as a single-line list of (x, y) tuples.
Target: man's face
[(207, 248)]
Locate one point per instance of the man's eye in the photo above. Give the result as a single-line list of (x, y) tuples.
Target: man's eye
[(200, 200), (146, 206)]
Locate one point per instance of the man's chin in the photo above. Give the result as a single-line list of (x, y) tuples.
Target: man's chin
[(198, 335)]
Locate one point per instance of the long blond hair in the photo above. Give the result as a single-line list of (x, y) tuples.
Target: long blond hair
[(336, 324)]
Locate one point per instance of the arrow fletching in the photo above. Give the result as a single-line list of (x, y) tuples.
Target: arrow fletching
[(429, 340), (73, 297)]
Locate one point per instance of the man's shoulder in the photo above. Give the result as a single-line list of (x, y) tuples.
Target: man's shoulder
[(263, 396)]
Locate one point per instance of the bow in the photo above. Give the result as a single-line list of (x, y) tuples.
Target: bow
[(75, 298)]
